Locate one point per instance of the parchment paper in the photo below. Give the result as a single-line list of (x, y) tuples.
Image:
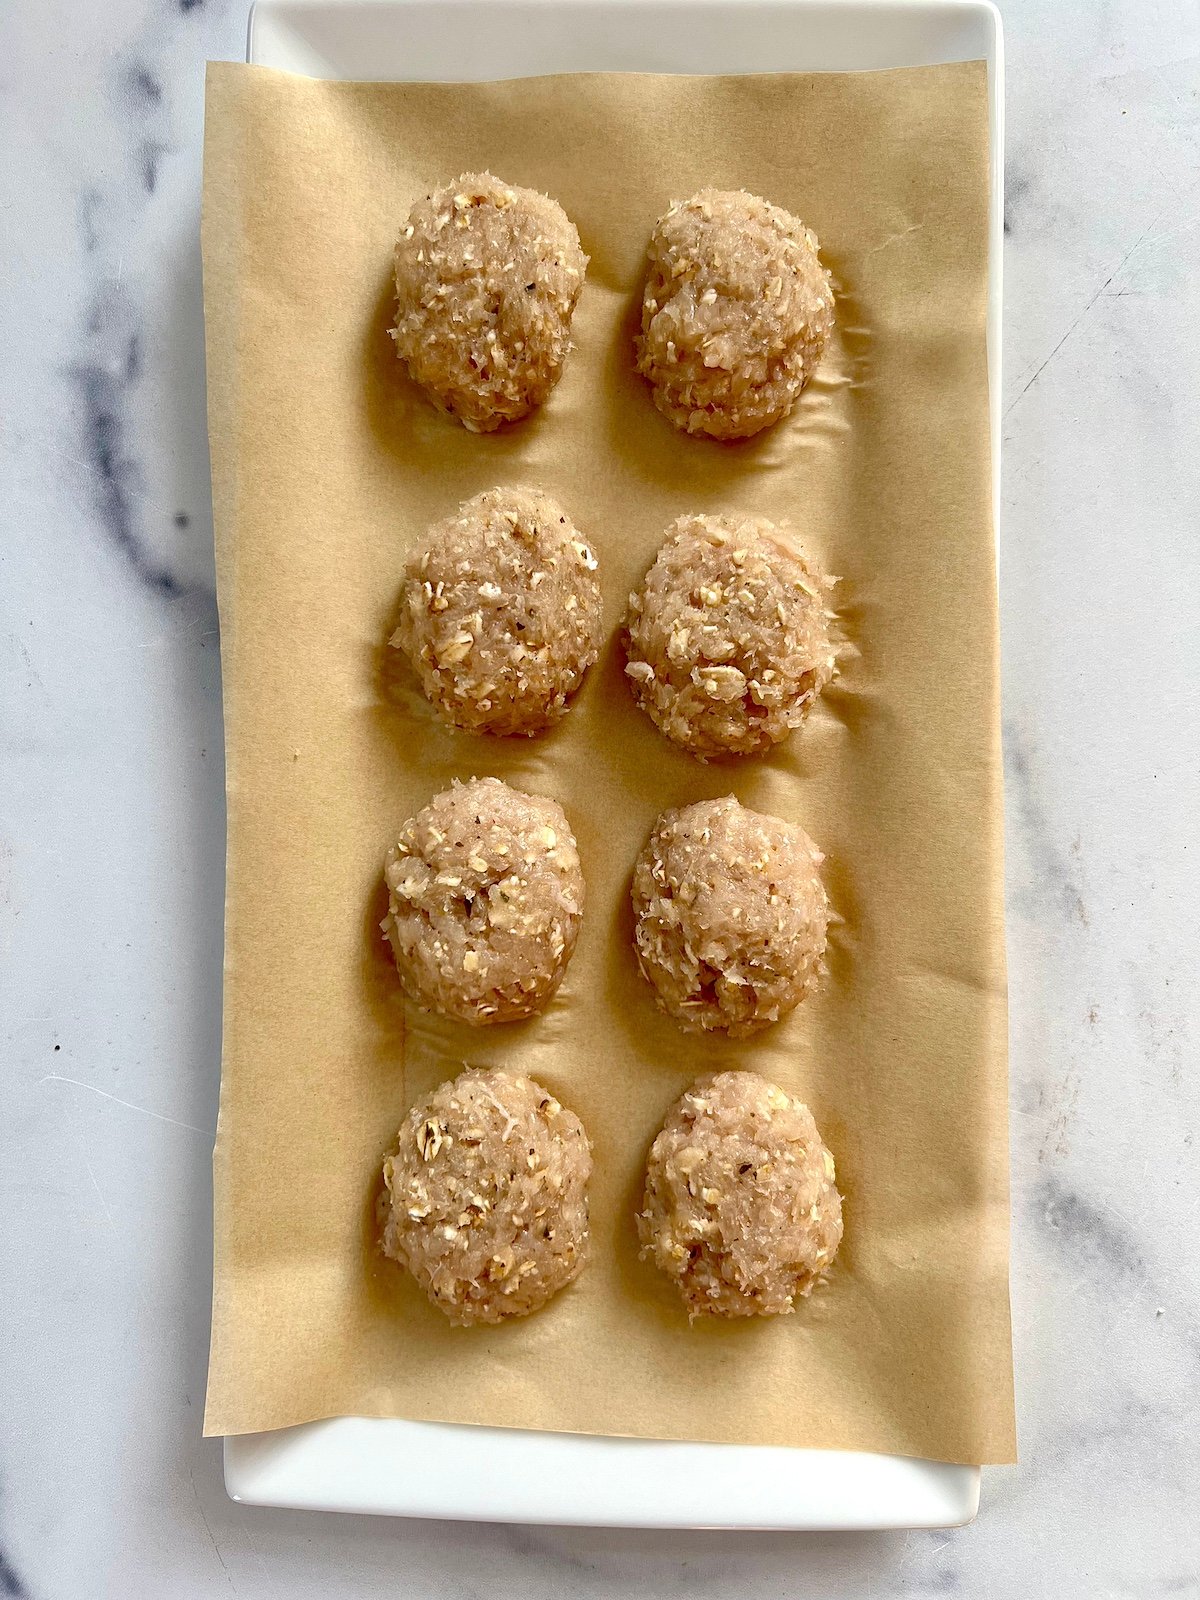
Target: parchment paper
[(326, 465)]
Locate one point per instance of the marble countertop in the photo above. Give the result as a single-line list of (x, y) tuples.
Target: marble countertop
[(111, 840)]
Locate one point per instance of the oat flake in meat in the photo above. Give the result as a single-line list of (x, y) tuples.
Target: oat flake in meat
[(500, 612), (487, 278), (741, 1208), (485, 897), (486, 1198), (730, 916), (728, 641), (736, 313)]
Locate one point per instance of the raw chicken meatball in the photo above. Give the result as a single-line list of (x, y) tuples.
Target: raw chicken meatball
[(730, 916), (487, 1196), (741, 1209), (487, 277), (728, 641), (500, 612), (485, 897), (736, 313)]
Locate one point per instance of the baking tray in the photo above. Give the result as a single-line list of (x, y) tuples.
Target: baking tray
[(422, 1469)]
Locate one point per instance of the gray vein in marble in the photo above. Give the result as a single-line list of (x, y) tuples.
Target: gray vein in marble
[(103, 386), (144, 88), (151, 152), (11, 1583), (106, 384), (1016, 188), (1096, 1236), (144, 102), (942, 1581), (1056, 879), (1185, 1583), (91, 202), (107, 379)]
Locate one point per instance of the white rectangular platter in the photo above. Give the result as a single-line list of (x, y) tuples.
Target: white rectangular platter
[(417, 1469)]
